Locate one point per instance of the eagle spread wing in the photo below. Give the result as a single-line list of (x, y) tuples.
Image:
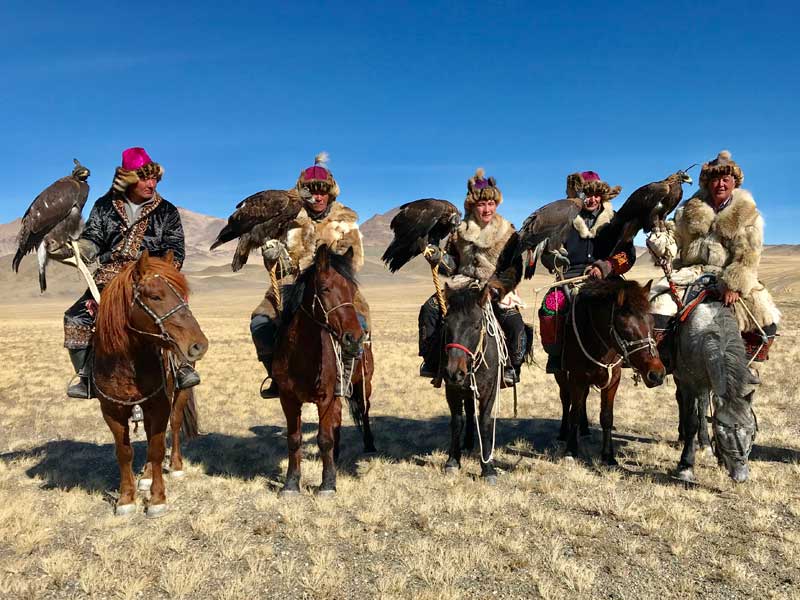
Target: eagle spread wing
[(263, 216), (54, 216), (419, 223)]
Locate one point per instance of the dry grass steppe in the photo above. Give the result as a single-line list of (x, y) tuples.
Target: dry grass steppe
[(398, 528)]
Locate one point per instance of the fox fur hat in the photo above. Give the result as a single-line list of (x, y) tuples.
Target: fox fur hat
[(479, 188), (136, 166), (318, 178), (588, 183), (719, 167)]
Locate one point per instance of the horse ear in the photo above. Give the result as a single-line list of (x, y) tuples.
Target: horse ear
[(321, 259), (170, 256), (143, 263), (620, 298), (647, 287)]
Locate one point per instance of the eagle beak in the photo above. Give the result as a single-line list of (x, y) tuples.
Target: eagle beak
[(687, 179)]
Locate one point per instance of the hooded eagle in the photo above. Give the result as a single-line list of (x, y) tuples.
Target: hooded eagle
[(53, 219), (263, 216), (419, 223)]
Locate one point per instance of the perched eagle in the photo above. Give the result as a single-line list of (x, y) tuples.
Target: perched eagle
[(53, 219), (646, 208), (419, 223), (263, 216)]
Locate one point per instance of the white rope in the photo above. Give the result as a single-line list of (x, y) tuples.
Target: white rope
[(558, 283), (494, 331), (739, 300), (347, 387)]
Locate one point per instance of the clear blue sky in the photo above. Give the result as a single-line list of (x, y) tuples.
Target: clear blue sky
[(408, 98)]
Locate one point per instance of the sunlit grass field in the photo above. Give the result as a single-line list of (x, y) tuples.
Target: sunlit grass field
[(398, 527)]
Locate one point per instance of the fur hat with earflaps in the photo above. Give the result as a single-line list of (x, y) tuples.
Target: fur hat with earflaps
[(481, 188), (588, 183), (719, 167), (136, 166), (318, 179)]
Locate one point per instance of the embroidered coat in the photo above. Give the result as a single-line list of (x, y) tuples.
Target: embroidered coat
[(157, 229), (729, 244)]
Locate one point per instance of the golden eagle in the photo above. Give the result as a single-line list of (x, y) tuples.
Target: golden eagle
[(263, 216), (53, 219), (419, 223), (646, 208)]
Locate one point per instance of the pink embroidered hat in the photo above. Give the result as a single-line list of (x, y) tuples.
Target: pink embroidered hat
[(318, 178), (136, 166), (589, 183)]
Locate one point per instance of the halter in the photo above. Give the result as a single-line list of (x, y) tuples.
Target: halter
[(325, 324), (159, 320), (625, 349)]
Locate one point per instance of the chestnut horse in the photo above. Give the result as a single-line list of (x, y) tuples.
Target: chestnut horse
[(320, 339), (609, 324), (142, 318)]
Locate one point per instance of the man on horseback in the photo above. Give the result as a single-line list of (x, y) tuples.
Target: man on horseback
[(322, 220), (580, 254), (717, 232), (130, 218), (471, 255)]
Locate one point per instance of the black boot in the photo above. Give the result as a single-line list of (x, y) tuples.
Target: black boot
[(426, 370), (271, 391), (81, 362), (186, 377), (510, 376)]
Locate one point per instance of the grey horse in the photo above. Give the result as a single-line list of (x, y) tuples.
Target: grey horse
[(710, 363)]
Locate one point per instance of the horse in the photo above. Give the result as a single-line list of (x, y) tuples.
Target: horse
[(710, 364), (321, 338), (142, 318), (608, 324), (474, 351)]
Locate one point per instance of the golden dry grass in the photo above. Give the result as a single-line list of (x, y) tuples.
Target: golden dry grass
[(398, 528)]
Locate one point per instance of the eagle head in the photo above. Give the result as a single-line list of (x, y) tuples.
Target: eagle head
[(685, 177), (80, 172)]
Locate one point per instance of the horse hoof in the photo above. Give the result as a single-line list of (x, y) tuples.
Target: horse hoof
[(124, 510), (610, 461), (326, 493), (686, 475), (156, 510), (144, 485), (288, 493), (490, 479), (450, 470), (177, 474)]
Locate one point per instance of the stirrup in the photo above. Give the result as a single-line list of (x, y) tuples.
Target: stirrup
[(271, 391), (79, 390), (186, 377)]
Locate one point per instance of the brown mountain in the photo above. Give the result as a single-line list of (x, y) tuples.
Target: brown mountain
[(376, 229)]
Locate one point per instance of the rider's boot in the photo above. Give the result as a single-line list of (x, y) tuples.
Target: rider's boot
[(81, 362), (186, 377), (271, 391), (510, 375)]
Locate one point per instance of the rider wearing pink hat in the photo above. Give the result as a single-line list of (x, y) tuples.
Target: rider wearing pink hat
[(130, 218)]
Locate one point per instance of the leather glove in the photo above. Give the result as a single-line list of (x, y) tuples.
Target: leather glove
[(433, 254), (272, 251), (662, 245), (556, 260)]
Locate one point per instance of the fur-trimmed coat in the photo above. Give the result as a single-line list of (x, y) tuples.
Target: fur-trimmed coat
[(475, 249), (338, 229), (729, 244)]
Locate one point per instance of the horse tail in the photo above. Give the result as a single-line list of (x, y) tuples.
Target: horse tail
[(190, 427)]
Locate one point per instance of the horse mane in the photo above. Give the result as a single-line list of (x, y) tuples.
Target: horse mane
[(463, 299), (292, 295), (729, 375), (635, 300), (111, 328)]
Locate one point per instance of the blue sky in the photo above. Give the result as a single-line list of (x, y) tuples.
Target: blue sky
[(408, 98)]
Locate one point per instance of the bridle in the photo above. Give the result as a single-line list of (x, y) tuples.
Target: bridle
[(159, 320), (325, 322), (625, 348)]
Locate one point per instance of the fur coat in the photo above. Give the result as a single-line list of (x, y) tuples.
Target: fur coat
[(727, 243), (476, 249), (338, 229)]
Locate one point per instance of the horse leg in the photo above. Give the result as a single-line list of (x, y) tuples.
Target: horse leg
[(330, 424), (703, 439), (456, 427), (156, 421), (577, 395), (469, 422), (690, 425), (146, 478), (486, 431), (584, 425), (294, 439), (563, 392), (607, 421), (681, 416), (175, 423), (122, 443), (361, 395)]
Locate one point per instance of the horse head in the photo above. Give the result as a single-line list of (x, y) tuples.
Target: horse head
[(330, 298), (159, 309), (735, 427), (632, 332), (464, 330)]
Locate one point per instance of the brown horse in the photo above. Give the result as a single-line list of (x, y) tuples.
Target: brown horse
[(609, 324), (142, 318), (321, 338)]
